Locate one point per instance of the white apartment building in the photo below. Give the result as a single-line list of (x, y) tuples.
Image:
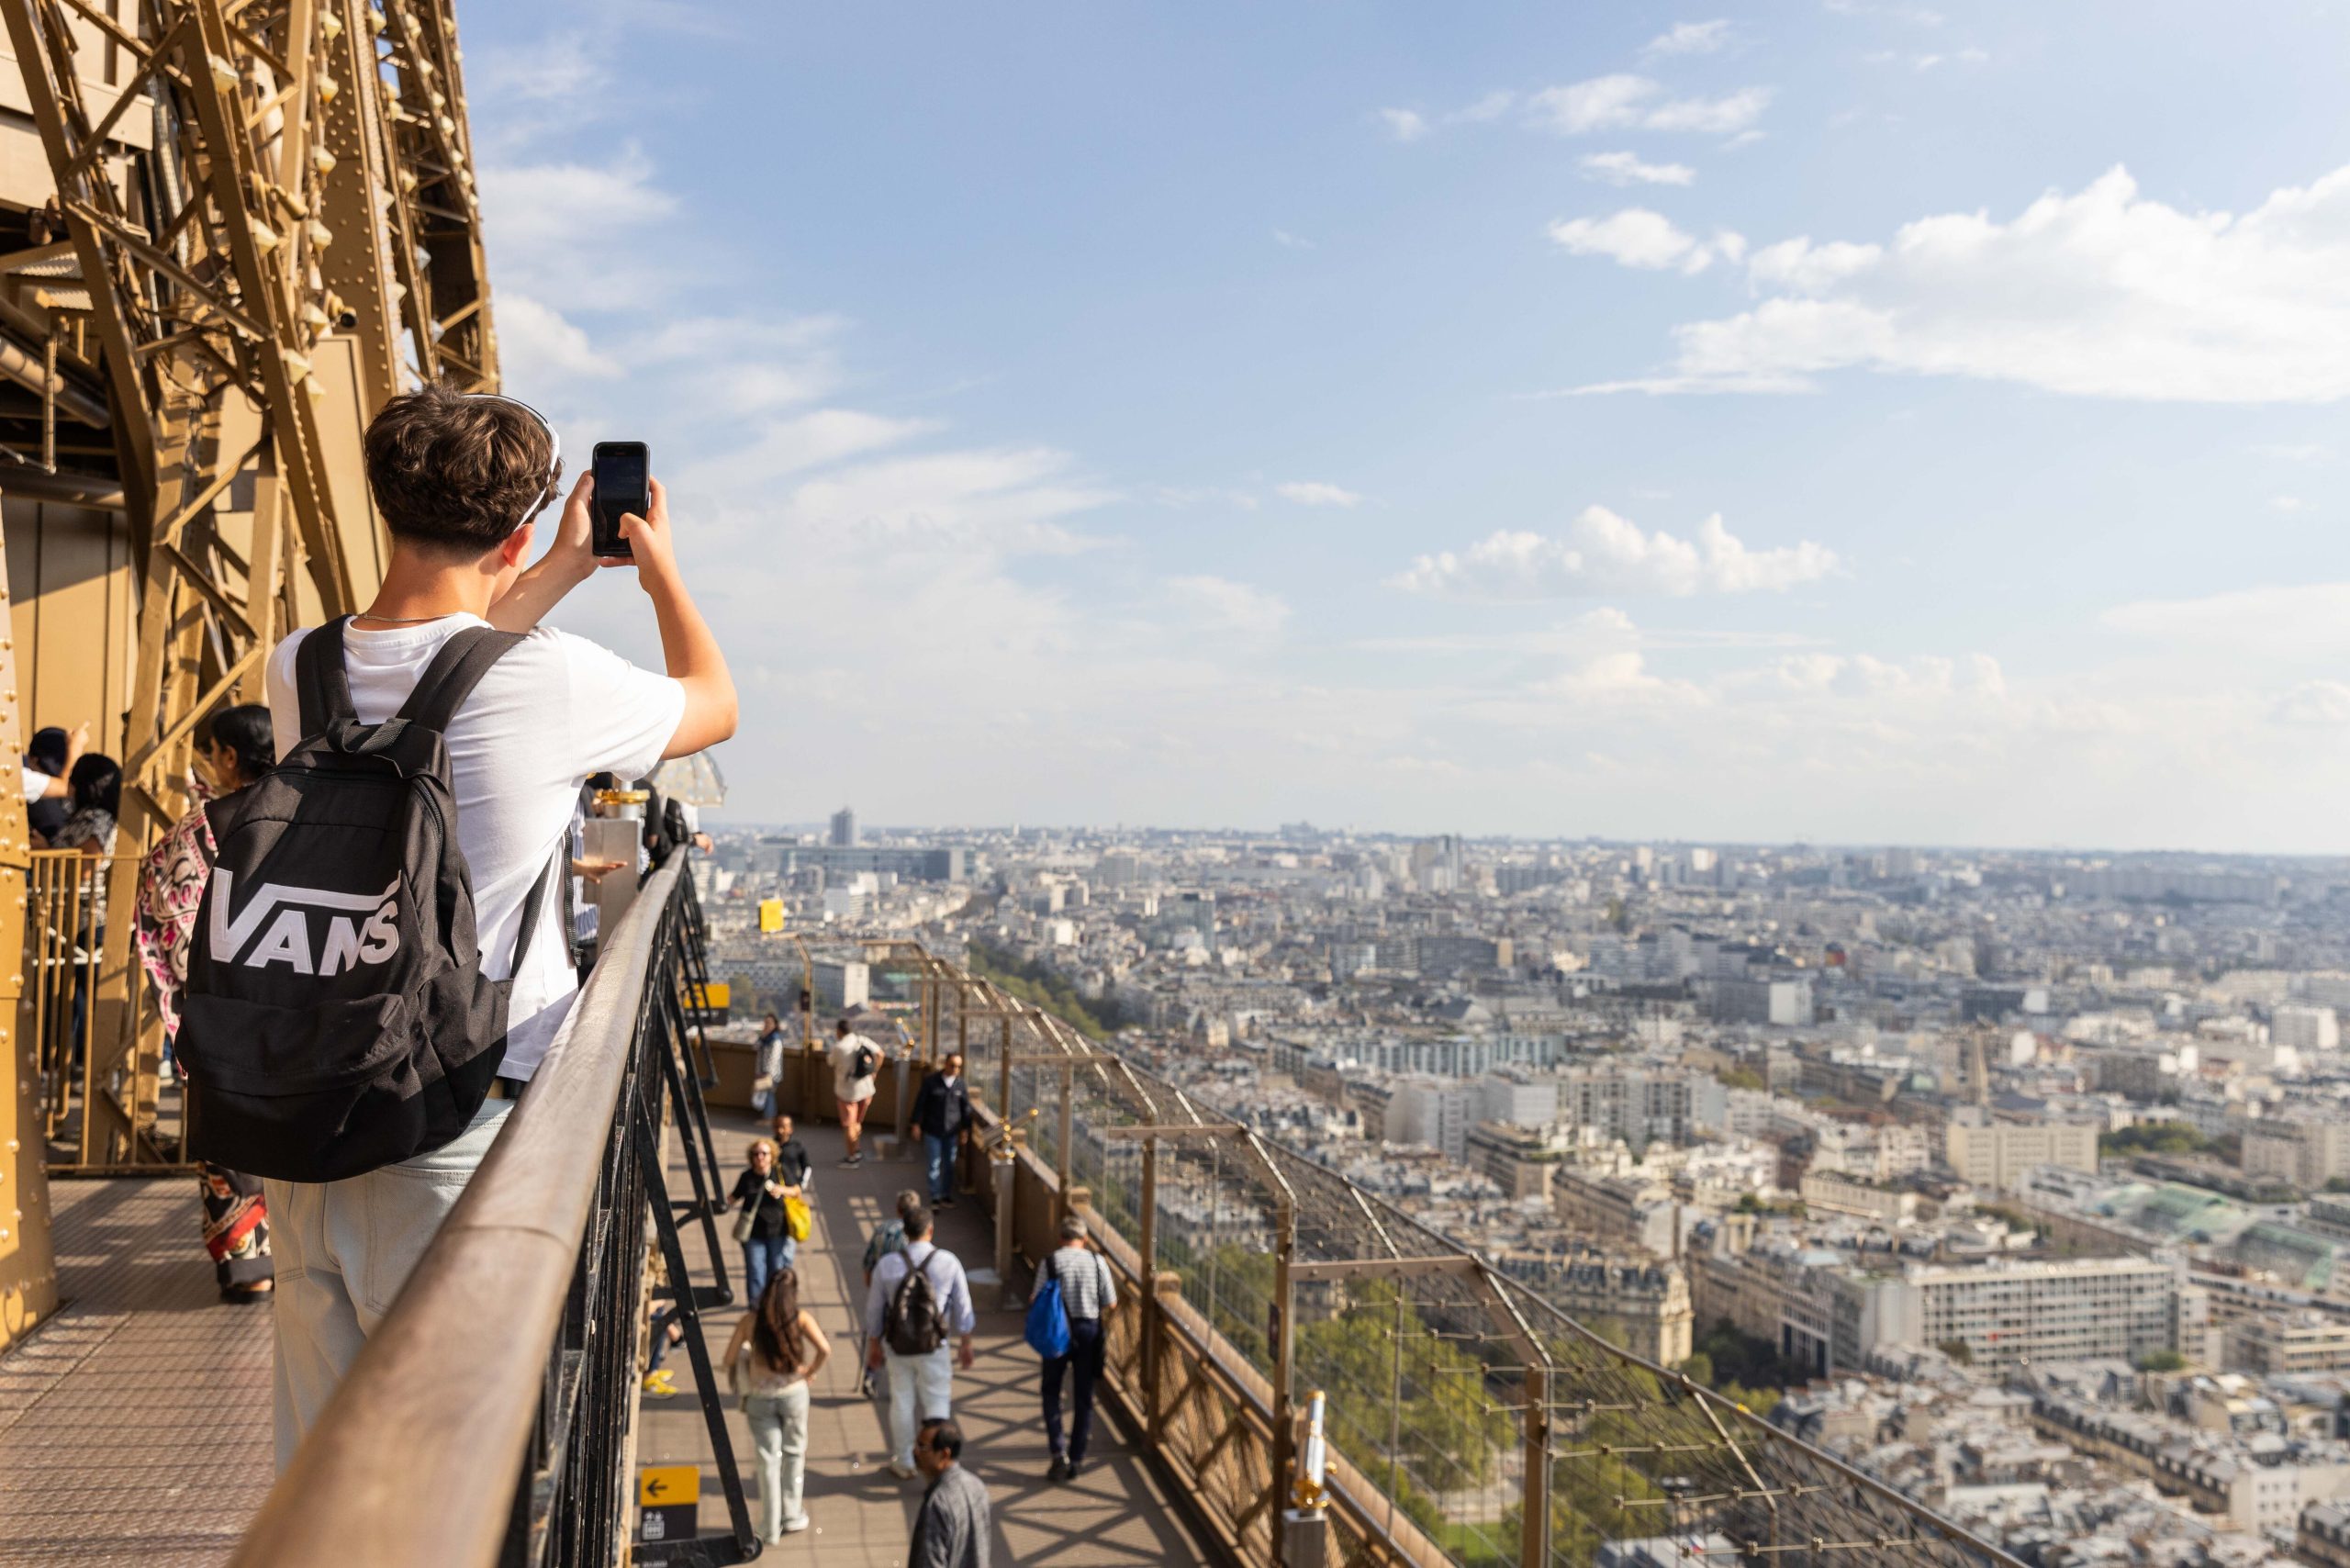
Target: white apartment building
[(2306, 1029), (2006, 1312), (2308, 1154), (1438, 1115), (1993, 1154)]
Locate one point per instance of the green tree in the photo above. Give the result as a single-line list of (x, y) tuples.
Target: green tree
[(1958, 1351), (2161, 1361)]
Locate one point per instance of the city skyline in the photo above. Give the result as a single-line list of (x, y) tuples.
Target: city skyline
[(1852, 424)]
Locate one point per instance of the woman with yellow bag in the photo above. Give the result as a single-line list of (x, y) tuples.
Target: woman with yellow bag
[(774, 1217)]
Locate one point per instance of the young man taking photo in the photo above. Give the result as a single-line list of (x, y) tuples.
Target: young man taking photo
[(459, 480)]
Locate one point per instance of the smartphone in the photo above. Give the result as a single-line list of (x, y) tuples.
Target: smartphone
[(623, 472)]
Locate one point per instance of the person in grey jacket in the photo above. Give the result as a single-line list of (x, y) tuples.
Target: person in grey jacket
[(953, 1527)]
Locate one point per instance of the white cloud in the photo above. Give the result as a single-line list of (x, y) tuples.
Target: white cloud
[(1637, 236), (2315, 703), (1626, 169), (2300, 623), (1601, 553), (2103, 293), (1405, 125), (2287, 503), (549, 229), (1314, 493), (1288, 241), (1893, 10), (1690, 38), (1230, 606), (1622, 100), (536, 346)]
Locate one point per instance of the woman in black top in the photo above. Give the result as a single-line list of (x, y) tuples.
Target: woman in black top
[(770, 1246)]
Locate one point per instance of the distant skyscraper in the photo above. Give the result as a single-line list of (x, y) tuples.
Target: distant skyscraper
[(845, 828)]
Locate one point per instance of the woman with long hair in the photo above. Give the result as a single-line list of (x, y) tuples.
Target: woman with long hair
[(776, 1348), (232, 750)]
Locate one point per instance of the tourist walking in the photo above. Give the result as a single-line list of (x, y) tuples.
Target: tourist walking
[(768, 1069), (853, 1062), (1088, 1294), (763, 1226), (953, 1528), (942, 1114), (887, 1236), (233, 748), (776, 1349), (918, 1300), (793, 1162)]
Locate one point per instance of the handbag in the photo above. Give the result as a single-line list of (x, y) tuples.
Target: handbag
[(797, 1221), (749, 1218)]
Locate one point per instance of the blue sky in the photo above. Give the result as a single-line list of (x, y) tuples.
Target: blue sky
[(1856, 421)]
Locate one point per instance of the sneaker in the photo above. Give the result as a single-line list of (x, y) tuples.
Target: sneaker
[(795, 1524), (1057, 1470), (1072, 1470), (864, 1385), (943, 1204), (659, 1385), (902, 1469)]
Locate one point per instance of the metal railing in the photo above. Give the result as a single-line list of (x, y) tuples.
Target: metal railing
[(490, 1417), (98, 1038), (1470, 1421)]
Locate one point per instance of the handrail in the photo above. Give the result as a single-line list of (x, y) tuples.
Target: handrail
[(415, 1459)]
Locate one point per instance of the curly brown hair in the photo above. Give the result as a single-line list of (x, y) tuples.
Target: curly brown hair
[(458, 474)]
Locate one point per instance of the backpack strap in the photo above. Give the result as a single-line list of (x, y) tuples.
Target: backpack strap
[(534, 897), (319, 680), (454, 673)]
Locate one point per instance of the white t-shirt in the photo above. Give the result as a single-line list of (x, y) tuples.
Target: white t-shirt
[(554, 709), (36, 785), (846, 1085)]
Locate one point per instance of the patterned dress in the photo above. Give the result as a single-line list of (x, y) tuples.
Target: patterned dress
[(171, 886)]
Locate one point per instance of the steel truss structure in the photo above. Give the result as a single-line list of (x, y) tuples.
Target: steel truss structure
[(264, 229)]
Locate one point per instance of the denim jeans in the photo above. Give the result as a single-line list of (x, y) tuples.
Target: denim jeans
[(343, 1250), (940, 1152), (921, 1388), (779, 1437), (762, 1256), (1084, 1360)]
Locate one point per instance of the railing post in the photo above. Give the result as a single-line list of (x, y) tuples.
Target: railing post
[(1166, 1285), (1284, 1349), (1065, 1156), (1003, 1062), (1006, 1162), (1534, 1534), (1147, 1283)]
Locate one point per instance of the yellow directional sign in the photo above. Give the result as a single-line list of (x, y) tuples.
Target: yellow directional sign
[(666, 1485), (770, 917)]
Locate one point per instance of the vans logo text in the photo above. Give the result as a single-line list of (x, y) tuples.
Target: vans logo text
[(349, 942)]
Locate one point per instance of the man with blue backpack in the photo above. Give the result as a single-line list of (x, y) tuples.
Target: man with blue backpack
[(1075, 1292), (380, 963)]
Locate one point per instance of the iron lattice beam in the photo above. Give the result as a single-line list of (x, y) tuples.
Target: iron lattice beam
[(268, 261)]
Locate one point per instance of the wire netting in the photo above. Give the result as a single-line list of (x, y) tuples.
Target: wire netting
[(1429, 1369)]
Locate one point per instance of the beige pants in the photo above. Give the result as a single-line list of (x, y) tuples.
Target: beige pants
[(343, 1250)]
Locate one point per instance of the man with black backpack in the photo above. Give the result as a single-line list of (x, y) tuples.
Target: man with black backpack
[(919, 1299), (381, 962)]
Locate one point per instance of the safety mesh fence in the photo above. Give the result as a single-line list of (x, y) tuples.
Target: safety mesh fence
[(1446, 1387)]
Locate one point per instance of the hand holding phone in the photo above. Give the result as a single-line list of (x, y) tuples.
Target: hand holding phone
[(624, 471)]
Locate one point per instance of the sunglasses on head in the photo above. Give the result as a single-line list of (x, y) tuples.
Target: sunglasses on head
[(554, 458)]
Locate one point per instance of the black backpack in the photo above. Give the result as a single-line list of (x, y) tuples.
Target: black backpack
[(861, 1062), (914, 1323), (336, 1019)]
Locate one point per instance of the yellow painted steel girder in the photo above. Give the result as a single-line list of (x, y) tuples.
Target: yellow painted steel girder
[(264, 223)]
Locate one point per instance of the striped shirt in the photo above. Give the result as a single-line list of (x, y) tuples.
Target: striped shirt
[(1087, 1289)]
